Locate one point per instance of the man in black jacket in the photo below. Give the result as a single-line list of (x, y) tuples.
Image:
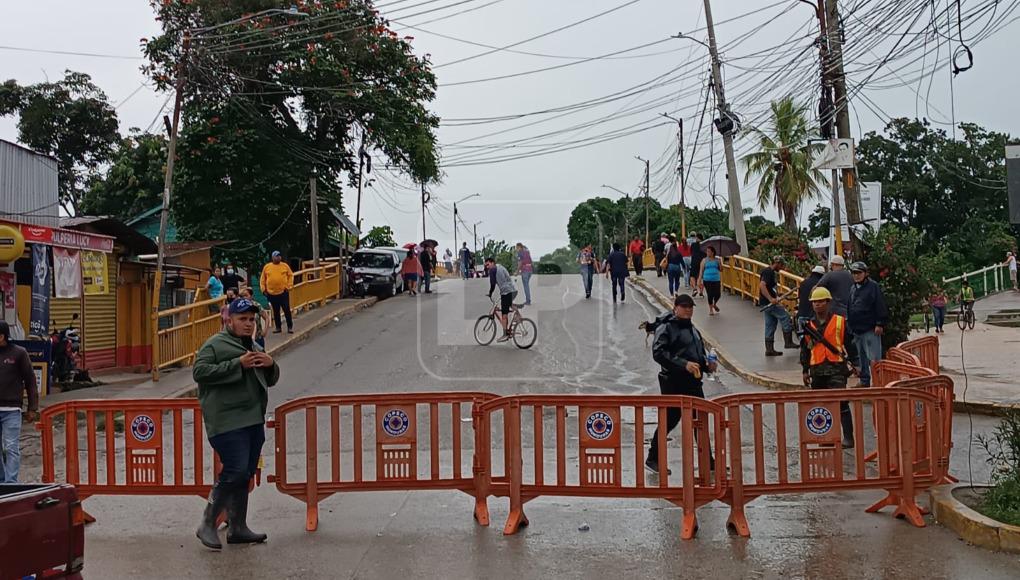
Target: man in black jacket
[(617, 270), (428, 263), (804, 309), (659, 250), (867, 316), (680, 351)]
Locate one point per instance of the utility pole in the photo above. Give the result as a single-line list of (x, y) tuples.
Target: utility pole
[(313, 183), (680, 170), (361, 175), (647, 177), (424, 200), (475, 228), (842, 111), (726, 126)]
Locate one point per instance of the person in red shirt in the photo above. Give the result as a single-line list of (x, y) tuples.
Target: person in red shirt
[(637, 250)]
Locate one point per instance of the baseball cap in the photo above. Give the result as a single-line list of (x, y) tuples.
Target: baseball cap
[(818, 269), (683, 300), (858, 267), (837, 260), (242, 305), (276, 253)]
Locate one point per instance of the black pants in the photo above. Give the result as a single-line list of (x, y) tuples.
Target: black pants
[(239, 452), (619, 281), (673, 386), (638, 261), (714, 291), (281, 301), (658, 268), (825, 380)]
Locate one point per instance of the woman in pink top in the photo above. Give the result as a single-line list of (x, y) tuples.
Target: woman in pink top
[(937, 301), (411, 270)]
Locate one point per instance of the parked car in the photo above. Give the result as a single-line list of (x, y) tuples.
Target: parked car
[(377, 271), (42, 531)]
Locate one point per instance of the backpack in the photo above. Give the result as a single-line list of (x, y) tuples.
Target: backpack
[(650, 326)]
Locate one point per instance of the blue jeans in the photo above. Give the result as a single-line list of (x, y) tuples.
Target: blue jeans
[(427, 281), (776, 315), (239, 452), (10, 453), (673, 273), (587, 275), (869, 349), (687, 271), (464, 270), (940, 316), (526, 280), (619, 281)]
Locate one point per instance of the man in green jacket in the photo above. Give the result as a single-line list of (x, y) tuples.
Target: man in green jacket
[(233, 375)]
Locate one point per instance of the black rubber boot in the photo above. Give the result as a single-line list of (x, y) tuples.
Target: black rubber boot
[(788, 340), (206, 532), (770, 348), (237, 511), (847, 420)]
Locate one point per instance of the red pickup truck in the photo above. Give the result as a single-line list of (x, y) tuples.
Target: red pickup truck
[(42, 531)]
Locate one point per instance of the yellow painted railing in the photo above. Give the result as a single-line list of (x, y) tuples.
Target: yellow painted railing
[(190, 326), (742, 276)]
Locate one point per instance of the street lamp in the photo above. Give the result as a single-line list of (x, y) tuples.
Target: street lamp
[(168, 177), (462, 200), (475, 228), (626, 218)]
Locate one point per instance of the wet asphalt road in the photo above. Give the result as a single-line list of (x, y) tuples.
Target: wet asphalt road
[(583, 346)]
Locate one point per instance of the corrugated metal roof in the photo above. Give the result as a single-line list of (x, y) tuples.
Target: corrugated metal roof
[(28, 185)]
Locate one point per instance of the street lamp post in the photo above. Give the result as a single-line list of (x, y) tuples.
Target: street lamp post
[(475, 228), (626, 218), (168, 177), (455, 217)]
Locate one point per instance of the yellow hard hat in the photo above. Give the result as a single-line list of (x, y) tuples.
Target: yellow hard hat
[(819, 294)]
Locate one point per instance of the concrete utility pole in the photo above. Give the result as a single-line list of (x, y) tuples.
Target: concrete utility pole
[(455, 217), (313, 183), (680, 170), (726, 127), (842, 109), (361, 175), (647, 177), (424, 200)]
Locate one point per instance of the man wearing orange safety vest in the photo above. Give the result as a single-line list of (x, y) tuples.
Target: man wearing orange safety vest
[(826, 353)]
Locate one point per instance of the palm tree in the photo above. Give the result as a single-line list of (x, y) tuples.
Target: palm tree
[(784, 162)]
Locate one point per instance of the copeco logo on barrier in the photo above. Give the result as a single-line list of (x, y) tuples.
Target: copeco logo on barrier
[(395, 422), (143, 428), (599, 426), (819, 421)]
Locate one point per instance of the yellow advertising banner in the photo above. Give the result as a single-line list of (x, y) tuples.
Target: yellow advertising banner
[(94, 273)]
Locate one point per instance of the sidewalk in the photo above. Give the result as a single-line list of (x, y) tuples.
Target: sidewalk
[(738, 334), (176, 382)]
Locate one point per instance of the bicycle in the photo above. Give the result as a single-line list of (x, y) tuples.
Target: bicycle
[(965, 319), (523, 330)]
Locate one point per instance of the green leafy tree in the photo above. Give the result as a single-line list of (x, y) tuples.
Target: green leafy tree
[(559, 261), (379, 236), (271, 101), (893, 255), (783, 161), (594, 222), (134, 181), (818, 223), (953, 191), (70, 119), (499, 250)]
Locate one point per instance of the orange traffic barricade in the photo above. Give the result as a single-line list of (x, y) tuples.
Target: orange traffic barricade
[(897, 354), (128, 447), (812, 442), (610, 460), (402, 447), (926, 349)]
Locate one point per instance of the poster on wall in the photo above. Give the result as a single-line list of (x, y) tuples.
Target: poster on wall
[(93, 273), (66, 273), (39, 320)]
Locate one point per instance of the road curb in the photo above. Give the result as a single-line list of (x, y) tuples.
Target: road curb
[(299, 336), (970, 525), (727, 359)]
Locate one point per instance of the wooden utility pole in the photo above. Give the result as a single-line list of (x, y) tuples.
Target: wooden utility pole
[(826, 118), (361, 177), (726, 127), (424, 200), (842, 110), (313, 195)]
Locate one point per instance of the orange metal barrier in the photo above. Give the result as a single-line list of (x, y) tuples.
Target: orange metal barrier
[(128, 447), (401, 436), (942, 387), (926, 349), (901, 356), (814, 443), (603, 450)]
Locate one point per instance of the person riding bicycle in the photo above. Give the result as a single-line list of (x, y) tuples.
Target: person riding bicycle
[(498, 276), (967, 296)]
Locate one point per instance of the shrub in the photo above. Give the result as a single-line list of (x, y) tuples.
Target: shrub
[(1002, 501), (893, 260), (799, 258)]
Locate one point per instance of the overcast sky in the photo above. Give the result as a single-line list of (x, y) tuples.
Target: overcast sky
[(766, 54)]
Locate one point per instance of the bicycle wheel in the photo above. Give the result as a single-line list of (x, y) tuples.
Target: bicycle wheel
[(525, 333), (971, 319), (485, 330), (961, 320)]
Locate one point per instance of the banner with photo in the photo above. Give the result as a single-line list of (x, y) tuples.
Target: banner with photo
[(93, 273), (66, 273), (39, 319)]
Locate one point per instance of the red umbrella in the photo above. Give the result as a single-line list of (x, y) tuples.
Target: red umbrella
[(409, 246)]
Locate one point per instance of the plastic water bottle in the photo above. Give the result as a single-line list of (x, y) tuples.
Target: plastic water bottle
[(713, 357)]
